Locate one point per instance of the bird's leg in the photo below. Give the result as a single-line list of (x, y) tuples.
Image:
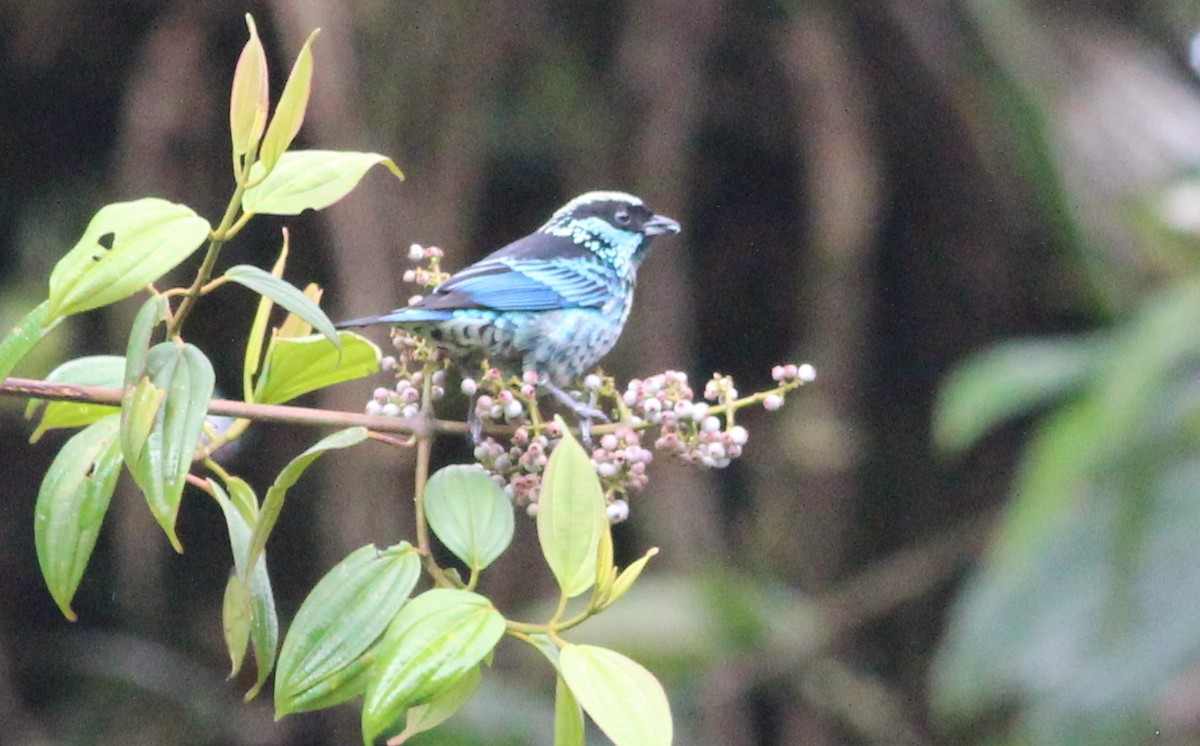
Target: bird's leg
[(585, 413), (474, 422)]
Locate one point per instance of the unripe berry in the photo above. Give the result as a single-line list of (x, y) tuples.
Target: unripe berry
[(617, 511), (806, 373), (391, 409), (416, 252), (772, 402), (738, 435), (468, 386)]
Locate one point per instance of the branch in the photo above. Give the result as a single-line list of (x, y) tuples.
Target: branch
[(34, 389)]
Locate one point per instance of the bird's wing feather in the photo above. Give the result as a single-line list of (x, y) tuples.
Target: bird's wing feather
[(507, 284)]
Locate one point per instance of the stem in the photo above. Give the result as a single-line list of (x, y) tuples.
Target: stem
[(34, 389), (424, 438), (217, 239)]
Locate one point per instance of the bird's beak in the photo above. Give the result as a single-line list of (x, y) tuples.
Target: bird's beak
[(659, 224)]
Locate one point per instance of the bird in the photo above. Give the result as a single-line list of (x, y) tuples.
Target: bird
[(554, 302)]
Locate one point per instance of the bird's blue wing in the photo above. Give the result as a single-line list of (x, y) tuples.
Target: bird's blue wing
[(509, 284)]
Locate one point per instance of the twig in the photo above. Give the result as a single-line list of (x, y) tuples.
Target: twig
[(34, 389)]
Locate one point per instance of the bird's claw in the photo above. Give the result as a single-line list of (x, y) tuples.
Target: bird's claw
[(585, 413)]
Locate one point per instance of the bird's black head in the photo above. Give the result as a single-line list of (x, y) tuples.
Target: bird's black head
[(620, 210)]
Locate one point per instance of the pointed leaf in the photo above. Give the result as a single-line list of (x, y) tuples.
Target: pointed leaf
[(342, 618), (161, 464), (71, 505), (571, 517), (293, 102), (152, 313), (255, 585), (258, 329), (310, 180), (295, 367), (248, 98), (435, 639), (440, 708), (285, 294), (236, 618), (627, 577), (568, 717), (469, 513), (293, 326), (1009, 381), (126, 246), (277, 494), (621, 696), (24, 337), (94, 370)]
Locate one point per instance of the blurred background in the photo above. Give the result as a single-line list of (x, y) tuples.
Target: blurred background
[(978, 220)]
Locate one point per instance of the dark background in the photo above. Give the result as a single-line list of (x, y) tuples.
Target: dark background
[(877, 187)]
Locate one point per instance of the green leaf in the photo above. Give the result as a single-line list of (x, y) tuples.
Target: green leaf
[(570, 517), (255, 587), (161, 461), (258, 328), (1079, 617), (293, 102), (248, 98), (236, 618), (148, 238), (24, 337), (568, 717), (310, 180), (94, 370), (277, 494), (1008, 381), (296, 366), (243, 498), (152, 313), (440, 708), (435, 639), (285, 294), (627, 577), (71, 505), (469, 513), (621, 696), (325, 652)]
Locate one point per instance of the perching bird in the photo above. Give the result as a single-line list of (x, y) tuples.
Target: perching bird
[(553, 302)]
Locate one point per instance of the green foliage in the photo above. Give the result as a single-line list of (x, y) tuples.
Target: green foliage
[(1081, 613), (330, 644), (71, 506), (469, 514), (309, 180), (570, 519), (126, 246), (624, 699), (249, 608), (415, 661)]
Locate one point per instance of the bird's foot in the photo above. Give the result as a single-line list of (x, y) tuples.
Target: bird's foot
[(585, 413), (474, 423)]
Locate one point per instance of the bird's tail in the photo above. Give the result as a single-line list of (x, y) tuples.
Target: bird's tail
[(399, 316)]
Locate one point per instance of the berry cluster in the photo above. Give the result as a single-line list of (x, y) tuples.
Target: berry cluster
[(689, 429), (404, 400)]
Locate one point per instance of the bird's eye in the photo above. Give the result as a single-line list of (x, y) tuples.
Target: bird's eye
[(622, 217)]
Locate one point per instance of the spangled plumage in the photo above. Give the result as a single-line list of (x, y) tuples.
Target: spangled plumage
[(553, 302)]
